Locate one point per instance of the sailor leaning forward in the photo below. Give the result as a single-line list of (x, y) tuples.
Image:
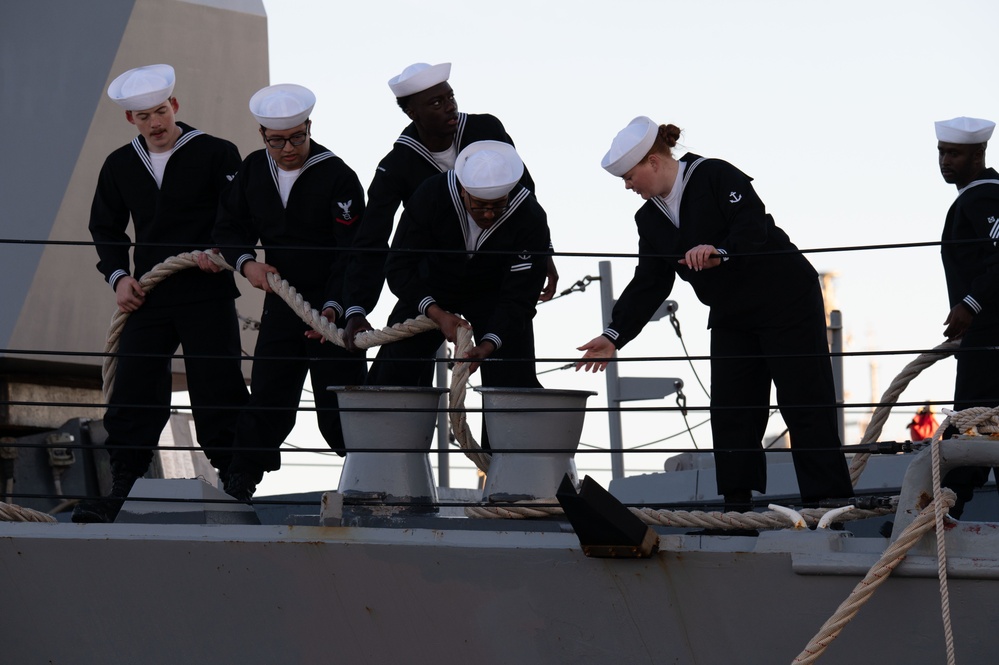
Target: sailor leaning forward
[(489, 281), (767, 318)]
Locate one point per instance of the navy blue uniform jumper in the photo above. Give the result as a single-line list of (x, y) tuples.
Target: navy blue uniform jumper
[(496, 290), (972, 271), (305, 242), (765, 309), (190, 308)]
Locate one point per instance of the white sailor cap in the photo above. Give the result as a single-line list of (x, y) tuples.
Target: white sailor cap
[(419, 77), (488, 170), (143, 87), (282, 106), (630, 146), (964, 130)]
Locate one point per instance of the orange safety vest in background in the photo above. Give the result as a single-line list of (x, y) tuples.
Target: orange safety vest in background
[(923, 426)]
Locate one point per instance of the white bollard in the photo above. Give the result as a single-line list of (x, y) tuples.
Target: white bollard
[(531, 419), (376, 478)]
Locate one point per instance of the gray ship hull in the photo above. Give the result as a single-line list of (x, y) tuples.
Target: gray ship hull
[(140, 593)]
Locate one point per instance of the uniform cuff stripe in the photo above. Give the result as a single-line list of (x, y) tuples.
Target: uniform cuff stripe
[(241, 260), (351, 311), (115, 276), (493, 338)]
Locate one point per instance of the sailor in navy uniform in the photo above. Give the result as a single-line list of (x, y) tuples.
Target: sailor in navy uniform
[(428, 146), (480, 206), (303, 204), (168, 180), (767, 319), (972, 271)]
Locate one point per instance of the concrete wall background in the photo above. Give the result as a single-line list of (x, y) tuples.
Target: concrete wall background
[(57, 126)]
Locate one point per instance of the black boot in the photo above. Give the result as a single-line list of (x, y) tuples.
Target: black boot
[(106, 509), (241, 485)]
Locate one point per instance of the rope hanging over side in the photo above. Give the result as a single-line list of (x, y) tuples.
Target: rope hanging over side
[(938, 523), (875, 577)]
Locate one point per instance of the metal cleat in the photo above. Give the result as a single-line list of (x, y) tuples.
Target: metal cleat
[(828, 518), (797, 521)]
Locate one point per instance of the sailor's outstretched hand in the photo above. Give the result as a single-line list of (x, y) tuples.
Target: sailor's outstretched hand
[(598, 352)]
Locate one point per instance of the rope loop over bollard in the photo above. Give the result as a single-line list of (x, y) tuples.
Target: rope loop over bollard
[(980, 420)]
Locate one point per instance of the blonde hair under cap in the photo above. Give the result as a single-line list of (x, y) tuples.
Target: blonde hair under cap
[(419, 77), (630, 146), (488, 170), (282, 106), (964, 130), (143, 87)]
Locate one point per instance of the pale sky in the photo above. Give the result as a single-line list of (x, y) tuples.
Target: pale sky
[(828, 106)]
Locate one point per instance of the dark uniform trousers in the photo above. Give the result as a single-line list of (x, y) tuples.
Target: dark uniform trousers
[(282, 358), (139, 407), (977, 384), (744, 362)]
